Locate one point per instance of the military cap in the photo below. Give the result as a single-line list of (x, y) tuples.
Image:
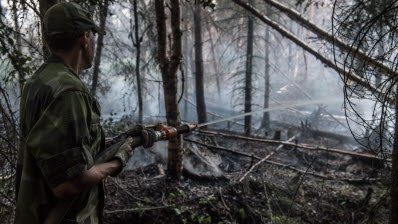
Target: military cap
[(68, 17)]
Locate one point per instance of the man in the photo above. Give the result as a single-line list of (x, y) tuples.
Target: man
[(60, 129)]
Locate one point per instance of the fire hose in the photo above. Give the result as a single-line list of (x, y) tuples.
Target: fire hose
[(161, 132)]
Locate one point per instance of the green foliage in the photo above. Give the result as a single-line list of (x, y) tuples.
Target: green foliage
[(139, 209), (178, 211), (203, 202), (242, 213), (8, 49), (204, 218)]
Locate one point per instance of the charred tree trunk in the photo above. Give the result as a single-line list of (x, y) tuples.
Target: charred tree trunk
[(200, 96), (394, 173), (137, 45), (44, 5), (100, 45), (248, 75), (169, 67), (266, 117)]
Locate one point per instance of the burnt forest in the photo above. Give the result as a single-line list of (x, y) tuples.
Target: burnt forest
[(289, 107)]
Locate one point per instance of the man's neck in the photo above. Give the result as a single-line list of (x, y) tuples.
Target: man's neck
[(73, 59)]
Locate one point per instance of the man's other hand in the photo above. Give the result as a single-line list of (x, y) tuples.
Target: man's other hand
[(125, 152)]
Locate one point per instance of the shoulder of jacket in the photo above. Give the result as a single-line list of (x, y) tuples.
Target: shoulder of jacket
[(59, 79)]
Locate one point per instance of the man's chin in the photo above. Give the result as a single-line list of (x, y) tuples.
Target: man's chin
[(88, 66)]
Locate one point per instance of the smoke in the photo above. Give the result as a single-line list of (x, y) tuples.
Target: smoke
[(143, 157), (202, 162), (196, 161)]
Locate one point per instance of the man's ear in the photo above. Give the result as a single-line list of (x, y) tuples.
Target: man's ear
[(84, 40)]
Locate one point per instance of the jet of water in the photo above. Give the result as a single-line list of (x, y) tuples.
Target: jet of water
[(281, 107)]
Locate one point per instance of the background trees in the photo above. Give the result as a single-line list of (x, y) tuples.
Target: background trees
[(164, 60), (199, 70)]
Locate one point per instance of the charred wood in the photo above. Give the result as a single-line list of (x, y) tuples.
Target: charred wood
[(302, 146), (265, 159), (199, 69), (359, 181), (203, 177), (249, 70)]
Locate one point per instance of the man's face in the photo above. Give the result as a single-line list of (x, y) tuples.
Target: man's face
[(88, 50)]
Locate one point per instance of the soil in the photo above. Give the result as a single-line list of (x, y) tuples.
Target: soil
[(354, 192)]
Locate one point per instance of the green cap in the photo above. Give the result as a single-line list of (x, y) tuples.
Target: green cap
[(68, 17)]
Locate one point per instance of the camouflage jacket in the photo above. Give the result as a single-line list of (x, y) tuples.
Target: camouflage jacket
[(60, 136)]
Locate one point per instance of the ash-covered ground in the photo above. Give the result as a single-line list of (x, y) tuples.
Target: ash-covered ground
[(293, 185)]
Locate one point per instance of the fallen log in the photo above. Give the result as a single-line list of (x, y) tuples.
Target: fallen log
[(317, 133), (302, 146), (286, 166), (236, 133), (255, 157)]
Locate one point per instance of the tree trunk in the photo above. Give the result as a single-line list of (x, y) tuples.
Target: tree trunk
[(266, 116), (44, 5), (186, 62), (200, 96), (17, 36), (290, 53), (348, 75), (394, 172), (248, 75), (137, 63), (100, 45), (215, 65), (169, 67)]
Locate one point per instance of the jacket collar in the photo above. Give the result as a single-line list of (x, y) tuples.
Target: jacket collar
[(56, 59)]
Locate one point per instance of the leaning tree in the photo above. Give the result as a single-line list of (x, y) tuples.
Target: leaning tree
[(370, 29)]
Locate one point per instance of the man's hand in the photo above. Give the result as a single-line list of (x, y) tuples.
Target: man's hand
[(87, 179), (125, 152), (96, 173)]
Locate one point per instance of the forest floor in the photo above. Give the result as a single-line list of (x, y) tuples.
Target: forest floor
[(322, 187)]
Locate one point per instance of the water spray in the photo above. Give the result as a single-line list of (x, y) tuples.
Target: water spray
[(164, 133), (281, 107)]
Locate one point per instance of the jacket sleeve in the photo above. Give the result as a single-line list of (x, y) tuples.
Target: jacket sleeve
[(59, 139)]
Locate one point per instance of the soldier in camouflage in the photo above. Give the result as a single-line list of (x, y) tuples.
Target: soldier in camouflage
[(60, 127)]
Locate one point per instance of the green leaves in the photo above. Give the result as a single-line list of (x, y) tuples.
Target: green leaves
[(178, 211)]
